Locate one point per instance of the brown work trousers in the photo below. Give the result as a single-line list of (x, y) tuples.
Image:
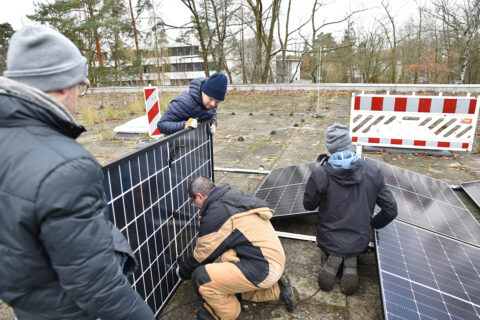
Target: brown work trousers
[(226, 281)]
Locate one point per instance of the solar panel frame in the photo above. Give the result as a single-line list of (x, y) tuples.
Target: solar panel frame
[(425, 275), (147, 200), (425, 272), (472, 189), (430, 203), (283, 190)]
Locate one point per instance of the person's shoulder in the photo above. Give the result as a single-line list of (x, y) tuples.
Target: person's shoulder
[(195, 87), (64, 152), (373, 171), (45, 142), (199, 80), (370, 165), (321, 169), (68, 148), (183, 100), (74, 158)]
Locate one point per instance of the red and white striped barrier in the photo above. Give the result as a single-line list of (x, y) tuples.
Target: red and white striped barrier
[(418, 122), (153, 111)]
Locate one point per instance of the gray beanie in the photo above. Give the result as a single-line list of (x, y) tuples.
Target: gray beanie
[(44, 59), (337, 138)]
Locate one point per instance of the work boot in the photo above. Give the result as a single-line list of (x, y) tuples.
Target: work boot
[(349, 281), (288, 293), (326, 278), (204, 314)]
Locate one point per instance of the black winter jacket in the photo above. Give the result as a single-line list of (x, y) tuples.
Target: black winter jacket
[(346, 201), (186, 105), (57, 258)]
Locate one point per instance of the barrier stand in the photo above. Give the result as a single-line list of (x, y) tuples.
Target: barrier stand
[(416, 122), (153, 111)]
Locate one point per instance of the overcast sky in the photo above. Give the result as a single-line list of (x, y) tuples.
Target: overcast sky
[(174, 12)]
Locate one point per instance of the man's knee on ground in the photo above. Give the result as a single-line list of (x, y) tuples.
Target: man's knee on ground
[(200, 276)]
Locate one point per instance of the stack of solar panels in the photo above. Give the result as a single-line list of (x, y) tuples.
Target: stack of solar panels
[(472, 188), (147, 200), (429, 257)]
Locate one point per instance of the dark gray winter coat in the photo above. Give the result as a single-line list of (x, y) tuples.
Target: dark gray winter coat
[(346, 201), (186, 105), (57, 258)]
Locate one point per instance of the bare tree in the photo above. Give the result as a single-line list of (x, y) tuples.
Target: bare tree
[(463, 18), (268, 46), (135, 35), (223, 15), (421, 10), (392, 40), (284, 42), (314, 45), (95, 33), (241, 46), (371, 62), (257, 10), (198, 25)]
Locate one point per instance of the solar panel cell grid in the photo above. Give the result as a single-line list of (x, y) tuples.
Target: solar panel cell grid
[(284, 187), (430, 203), (425, 275), (147, 200)]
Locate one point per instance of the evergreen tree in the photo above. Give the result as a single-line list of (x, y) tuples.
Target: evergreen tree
[(6, 32)]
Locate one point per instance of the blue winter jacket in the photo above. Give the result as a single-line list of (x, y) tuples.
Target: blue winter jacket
[(187, 105)]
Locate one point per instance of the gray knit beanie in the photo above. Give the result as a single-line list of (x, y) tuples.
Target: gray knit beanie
[(337, 138), (44, 59)]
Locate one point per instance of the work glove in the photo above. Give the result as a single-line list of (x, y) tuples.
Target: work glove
[(213, 128), (191, 123)]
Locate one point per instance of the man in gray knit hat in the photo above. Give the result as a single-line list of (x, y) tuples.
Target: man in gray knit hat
[(60, 257), (345, 191)]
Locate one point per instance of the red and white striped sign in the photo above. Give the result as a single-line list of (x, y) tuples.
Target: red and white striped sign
[(423, 122), (153, 110)]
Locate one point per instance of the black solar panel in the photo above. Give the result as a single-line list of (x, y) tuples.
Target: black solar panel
[(425, 275), (430, 203), (147, 200), (472, 188), (283, 189)]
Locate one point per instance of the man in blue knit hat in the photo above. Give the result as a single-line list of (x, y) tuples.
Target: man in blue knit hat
[(199, 104)]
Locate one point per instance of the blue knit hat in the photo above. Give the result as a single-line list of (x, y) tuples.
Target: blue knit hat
[(216, 86)]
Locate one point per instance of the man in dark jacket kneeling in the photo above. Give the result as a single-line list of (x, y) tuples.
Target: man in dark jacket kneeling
[(60, 257), (236, 227), (199, 104), (345, 190)]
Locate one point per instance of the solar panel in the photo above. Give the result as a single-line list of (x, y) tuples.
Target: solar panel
[(430, 203), (472, 188), (283, 189), (147, 200), (425, 275)]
